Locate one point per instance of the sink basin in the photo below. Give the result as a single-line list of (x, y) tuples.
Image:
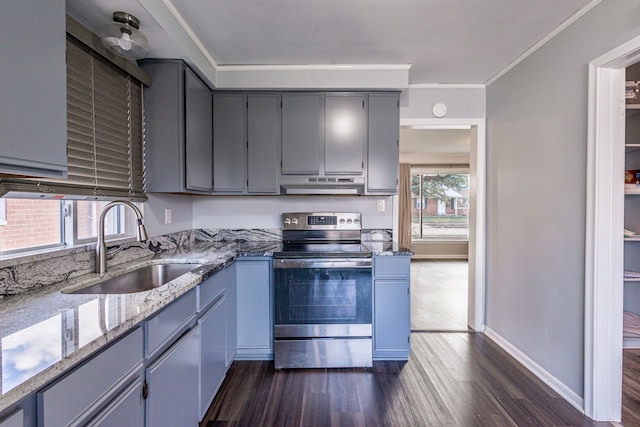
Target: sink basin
[(142, 279)]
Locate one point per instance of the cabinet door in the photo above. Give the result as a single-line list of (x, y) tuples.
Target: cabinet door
[(213, 353), (173, 384), (264, 138), (14, 420), (229, 142), (392, 321), (383, 154), (198, 140), (344, 134), (232, 321), (127, 409), (255, 325), (302, 133), (33, 111)]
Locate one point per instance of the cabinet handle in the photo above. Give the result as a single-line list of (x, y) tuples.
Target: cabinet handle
[(145, 390)]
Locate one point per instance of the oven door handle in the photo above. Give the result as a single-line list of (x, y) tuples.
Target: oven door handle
[(334, 263)]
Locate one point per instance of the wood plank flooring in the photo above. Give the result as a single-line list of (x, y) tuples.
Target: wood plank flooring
[(439, 294), (451, 379), (631, 388)]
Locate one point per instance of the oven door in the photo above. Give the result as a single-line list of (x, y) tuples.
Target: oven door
[(336, 291)]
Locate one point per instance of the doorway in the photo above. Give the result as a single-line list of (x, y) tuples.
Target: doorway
[(477, 172), (605, 220)]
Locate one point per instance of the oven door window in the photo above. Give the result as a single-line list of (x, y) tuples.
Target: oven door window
[(323, 296)]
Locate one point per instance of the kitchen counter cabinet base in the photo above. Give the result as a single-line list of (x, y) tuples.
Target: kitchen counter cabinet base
[(254, 281), (391, 308)]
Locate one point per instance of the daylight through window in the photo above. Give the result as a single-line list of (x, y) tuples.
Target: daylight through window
[(440, 206)]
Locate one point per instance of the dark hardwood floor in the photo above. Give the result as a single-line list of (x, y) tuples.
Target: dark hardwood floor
[(451, 379), (631, 388)]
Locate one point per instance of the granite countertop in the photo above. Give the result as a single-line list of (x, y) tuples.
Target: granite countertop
[(46, 331)]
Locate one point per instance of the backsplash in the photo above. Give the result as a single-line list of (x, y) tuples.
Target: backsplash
[(30, 272)]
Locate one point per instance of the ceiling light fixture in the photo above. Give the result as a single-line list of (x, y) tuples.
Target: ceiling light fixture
[(123, 38)]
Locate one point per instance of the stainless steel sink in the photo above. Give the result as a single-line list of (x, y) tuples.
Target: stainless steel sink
[(142, 279)]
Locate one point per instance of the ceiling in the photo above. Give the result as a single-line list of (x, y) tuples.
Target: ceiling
[(444, 41)]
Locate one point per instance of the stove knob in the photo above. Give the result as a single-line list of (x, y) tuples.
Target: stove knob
[(356, 220), (287, 221), (294, 221), (349, 221), (341, 220)]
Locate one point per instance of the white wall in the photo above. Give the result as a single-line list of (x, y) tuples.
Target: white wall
[(265, 211), (536, 161), (181, 213)]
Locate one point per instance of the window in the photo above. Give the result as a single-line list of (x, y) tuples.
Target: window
[(35, 225), (440, 204)]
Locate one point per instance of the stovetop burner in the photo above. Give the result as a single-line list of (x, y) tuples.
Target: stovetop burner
[(321, 235)]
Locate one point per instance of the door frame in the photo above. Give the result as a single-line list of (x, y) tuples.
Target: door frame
[(477, 211), (604, 249)]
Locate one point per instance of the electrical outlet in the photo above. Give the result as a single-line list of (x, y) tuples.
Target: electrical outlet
[(380, 205), (167, 216)]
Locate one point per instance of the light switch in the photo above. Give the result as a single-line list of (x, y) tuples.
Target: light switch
[(167, 216), (380, 205)]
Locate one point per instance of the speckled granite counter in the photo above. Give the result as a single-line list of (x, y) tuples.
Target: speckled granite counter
[(43, 332)]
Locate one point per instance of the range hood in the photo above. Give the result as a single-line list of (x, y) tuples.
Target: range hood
[(322, 186)]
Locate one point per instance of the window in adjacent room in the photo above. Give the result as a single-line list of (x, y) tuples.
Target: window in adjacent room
[(440, 204)]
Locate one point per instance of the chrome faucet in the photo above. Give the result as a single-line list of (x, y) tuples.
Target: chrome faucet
[(101, 248)]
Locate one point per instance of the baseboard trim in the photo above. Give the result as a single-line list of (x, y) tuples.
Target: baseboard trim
[(559, 387)]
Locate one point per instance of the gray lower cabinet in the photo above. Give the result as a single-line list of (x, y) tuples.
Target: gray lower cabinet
[(229, 142), (383, 152), (173, 384), (232, 319), (178, 130), (125, 410), (213, 337), (16, 419), (391, 308), (33, 119), (345, 134), (263, 143), (254, 291), (302, 133), (20, 414), (100, 391)]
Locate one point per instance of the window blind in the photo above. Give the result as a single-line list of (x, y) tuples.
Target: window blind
[(104, 132)]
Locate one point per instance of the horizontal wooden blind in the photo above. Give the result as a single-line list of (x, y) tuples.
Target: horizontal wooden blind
[(104, 131)]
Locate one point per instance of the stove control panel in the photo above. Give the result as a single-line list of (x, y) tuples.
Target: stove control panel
[(321, 221)]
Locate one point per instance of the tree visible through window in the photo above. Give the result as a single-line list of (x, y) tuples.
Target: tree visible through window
[(440, 206)]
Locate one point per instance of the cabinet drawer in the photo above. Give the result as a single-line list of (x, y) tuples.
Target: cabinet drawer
[(396, 266), (163, 328), (212, 289), (15, 420), (87, 388)]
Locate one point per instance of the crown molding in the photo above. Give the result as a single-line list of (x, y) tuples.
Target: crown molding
[(573, 18), (317, 67)]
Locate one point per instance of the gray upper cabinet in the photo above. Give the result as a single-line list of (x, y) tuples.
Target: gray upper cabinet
[(33, 109), (345, 134), (178, 143), (229, 142), (264, 137), (383, 153), (302, 133), (198, 129)]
